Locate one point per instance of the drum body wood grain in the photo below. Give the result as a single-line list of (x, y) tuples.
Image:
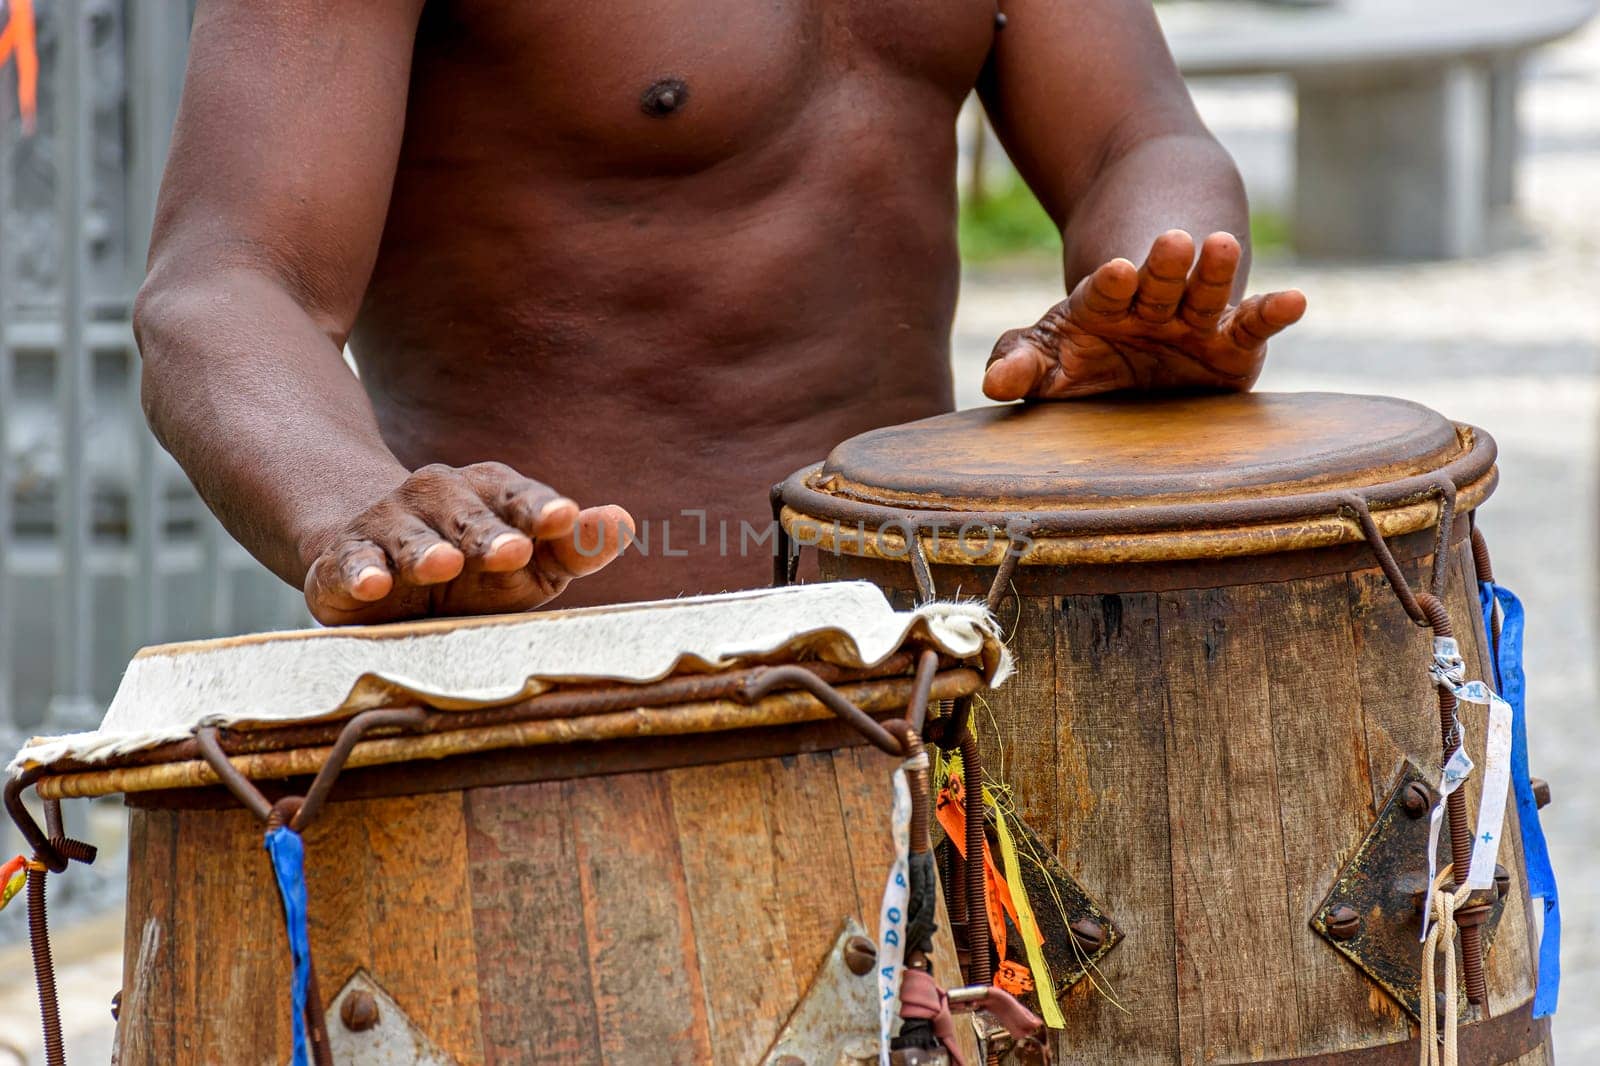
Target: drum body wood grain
[(1208, 713), (660, 900)]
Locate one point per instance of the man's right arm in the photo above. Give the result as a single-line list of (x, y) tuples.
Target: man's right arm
[(267, 228)]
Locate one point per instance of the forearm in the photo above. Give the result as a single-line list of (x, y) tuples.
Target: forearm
[(1176, 181), (254, 400)]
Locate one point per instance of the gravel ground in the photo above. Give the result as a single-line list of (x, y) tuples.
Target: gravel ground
[(1510, 342)]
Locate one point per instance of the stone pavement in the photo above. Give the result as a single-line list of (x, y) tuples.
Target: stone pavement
[(1510, 342)]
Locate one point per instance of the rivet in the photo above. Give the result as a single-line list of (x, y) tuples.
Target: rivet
[(359, 1011), (1089, 934), (860, 955), (1416, 799), (1343, 922)]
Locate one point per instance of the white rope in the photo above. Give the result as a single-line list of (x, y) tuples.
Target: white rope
[(1442, 904)]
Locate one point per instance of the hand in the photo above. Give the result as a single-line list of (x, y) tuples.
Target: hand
[(478, 539), (1160, 326)]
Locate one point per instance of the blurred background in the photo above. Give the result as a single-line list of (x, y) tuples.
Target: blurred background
[(1427, 171)]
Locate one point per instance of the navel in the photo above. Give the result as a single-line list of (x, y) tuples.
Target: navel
[(664, 97)]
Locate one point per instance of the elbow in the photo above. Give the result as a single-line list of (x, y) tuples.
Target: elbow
[(159, 327)]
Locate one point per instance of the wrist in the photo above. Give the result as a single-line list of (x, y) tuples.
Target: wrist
[(326, 513)]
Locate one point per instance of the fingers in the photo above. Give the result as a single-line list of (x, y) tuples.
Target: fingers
[(532, 507), (347, 577), (1163, 277), (1258, 318), (1106, 293), (468, 540), (596, 536), (1211, 283), (1017, 367)]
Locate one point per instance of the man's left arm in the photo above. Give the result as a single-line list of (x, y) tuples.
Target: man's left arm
[(1089, 104)]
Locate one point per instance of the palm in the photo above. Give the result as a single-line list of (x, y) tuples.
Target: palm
[(1162, 326)]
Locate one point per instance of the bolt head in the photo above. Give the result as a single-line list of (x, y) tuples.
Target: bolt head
[(1343, 922), (1502, 880), (1089, 934), (1541, 792), (860, 955), (1416, 800), (1030, 1051), (359, 1011)]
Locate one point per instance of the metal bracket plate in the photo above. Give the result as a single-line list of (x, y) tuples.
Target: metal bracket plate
[(1382, 885), (837, 1020), (393, 1041), (1060, 905)]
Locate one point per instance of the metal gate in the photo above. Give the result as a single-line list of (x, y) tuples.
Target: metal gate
[(104, 546)]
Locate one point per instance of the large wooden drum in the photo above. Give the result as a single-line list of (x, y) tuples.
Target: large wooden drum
[(590, 837), (1223, 720)]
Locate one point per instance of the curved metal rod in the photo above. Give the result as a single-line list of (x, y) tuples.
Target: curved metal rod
[(37, 839), (1441, 544), (1008, 566), (782, 551), (917, 780), (243, 789), (926, 592), (799, 677), (1357, 507), (922, 691), (352, 733)]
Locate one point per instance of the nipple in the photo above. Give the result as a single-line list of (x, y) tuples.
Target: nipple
[(664, 97)]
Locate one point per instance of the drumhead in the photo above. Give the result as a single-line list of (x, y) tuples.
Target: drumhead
[(1184, 476)]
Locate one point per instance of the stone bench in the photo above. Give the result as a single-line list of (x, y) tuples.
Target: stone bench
[(1407, 136)]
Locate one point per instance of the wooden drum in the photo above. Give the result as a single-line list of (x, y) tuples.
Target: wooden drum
[(1223, 720), (582, 837)]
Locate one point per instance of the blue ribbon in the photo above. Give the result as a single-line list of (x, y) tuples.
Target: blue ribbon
[(288, 854), (1511, 684)]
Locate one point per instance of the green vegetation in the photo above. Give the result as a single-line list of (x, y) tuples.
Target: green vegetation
[(1008, 223)]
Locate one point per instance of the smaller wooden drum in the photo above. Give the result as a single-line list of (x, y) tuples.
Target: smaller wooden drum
[(1223, 721), (580, 839)]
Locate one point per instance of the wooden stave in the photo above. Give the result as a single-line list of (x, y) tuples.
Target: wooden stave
[(1393, 651), (415, 887)]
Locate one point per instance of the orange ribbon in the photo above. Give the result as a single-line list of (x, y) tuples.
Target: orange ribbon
[(18, 36), (951, 811)]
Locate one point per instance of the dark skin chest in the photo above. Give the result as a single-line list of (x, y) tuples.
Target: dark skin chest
[(646, 258), (642, 216), (648, 215)]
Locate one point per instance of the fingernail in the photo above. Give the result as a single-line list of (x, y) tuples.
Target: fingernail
[(502, 540), (555, 505), (366, 573)]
